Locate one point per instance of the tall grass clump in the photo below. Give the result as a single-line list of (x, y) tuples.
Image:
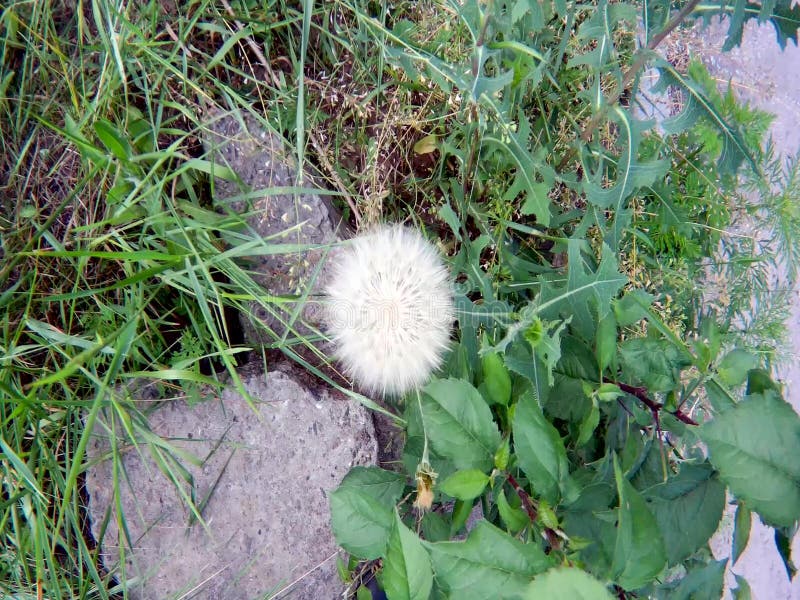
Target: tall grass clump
[(589, 356)]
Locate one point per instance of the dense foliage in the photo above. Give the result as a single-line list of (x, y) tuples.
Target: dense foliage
[(599, 404), (609, 384)]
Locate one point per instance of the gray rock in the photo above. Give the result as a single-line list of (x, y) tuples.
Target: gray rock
[(238, 141), (261, 485)]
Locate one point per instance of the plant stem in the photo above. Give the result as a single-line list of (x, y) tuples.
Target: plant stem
[(640, 393)]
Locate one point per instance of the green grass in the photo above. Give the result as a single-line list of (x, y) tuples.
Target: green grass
[(111, 268)]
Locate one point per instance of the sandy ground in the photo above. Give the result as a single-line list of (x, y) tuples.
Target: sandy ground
[(769, 79)]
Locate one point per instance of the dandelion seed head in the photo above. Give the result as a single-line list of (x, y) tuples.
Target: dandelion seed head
[(390, 309)]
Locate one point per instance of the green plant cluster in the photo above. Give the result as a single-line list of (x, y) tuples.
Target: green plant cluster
[(596, 411)]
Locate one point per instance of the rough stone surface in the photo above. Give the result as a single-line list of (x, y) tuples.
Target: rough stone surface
[(266, 474), (238, 141)]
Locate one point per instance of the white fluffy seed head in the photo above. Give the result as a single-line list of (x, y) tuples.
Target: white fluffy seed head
[(389, 309)]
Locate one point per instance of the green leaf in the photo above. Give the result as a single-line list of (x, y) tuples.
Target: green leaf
[(759, 381), (459, 424), (360, 523), (465, 485), (490, 562), (591, 518), (528, 167), (655, 363), (384, 486), (755, 446), (705, 582), (741, 531), (639, 554), (687, 508), (733, 368), (435, 527), (363, 593), (496, 379), (697, 104), (606, 342), (112, 139), (742, 589), (540, 450), (632, 307), (588, 425), (516, 519), (361, 510), (783, 542), (407, 573), (630, 173), (461, 512), (566, 583), (449, 216), (588, 294), (503, 455), (548, 350)]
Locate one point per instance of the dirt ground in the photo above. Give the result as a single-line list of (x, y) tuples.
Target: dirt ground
[(769, 79)]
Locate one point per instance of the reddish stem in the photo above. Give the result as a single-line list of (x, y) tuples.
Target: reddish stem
[(640, 394)]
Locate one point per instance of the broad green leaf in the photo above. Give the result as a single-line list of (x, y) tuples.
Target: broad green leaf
[(515, 519), (733, 367), (588, 294), (426, 145), (632, 307), (741, 531), (566, 583), (639, 554), (112, 139), (496, 378), (407, 573), (360, 523), (489, 564), (705, 582), (459, 424), (588, 425), (655, 363), (687, 508), (462, 509), (606, 342), (435, 527), (540, 450), (755, 446), (591, 518), (361, 510), (384, 486), (363, 593), (465, 485)]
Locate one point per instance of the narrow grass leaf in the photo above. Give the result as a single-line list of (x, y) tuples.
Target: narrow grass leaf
[(22, 470)]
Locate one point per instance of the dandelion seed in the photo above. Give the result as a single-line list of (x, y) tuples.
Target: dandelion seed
[(390, 309)]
